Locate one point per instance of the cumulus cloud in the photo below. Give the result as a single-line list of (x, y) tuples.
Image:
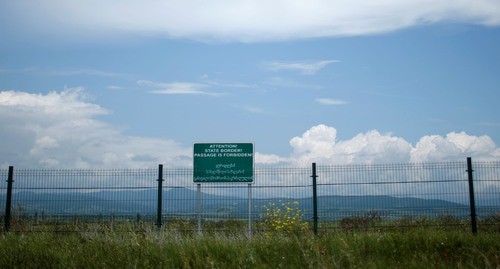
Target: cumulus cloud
[(60, 129), (454, 147), (319, 139), (240, 20), (319, 144)]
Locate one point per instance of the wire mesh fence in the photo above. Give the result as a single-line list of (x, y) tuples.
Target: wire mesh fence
[(378, 195), (422, 182), (487, 192), (348, 197)]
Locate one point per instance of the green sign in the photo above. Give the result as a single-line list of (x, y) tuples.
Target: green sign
[(223, 162)]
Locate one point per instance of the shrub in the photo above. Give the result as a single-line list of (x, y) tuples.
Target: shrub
[(491, 223), (369, 220), (285, 218)]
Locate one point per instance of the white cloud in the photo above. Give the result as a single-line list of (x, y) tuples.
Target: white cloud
[(114, 87), (68, 104), (226, 84), (177, 88), (373, 147), (454, 146), (305, 68), (269, 159), (319, 139), (319, 144), (191, 88), (332, 102), (59, 129), (44, 143), (240, 20)]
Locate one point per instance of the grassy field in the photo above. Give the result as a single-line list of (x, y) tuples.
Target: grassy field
[(415, 248)]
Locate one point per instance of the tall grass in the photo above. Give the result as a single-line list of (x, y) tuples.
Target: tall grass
[(415, 248)]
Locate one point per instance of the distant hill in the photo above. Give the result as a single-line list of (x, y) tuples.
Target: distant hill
[(182, 202)]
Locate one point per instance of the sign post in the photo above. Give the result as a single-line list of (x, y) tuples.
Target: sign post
[(249, 211), (223, 163), (198, 207)]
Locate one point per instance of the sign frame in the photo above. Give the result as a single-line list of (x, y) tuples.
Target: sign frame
[(223, 162)]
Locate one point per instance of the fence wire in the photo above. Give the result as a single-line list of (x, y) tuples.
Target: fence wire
[(349, 197)]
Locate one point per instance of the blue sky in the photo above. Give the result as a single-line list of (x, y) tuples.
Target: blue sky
[(122, 83)]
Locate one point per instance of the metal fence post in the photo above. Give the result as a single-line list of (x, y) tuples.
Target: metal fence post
[(473, 216), (160, 198), (249, 211), (8, 203), (315, 200), (198, 207)]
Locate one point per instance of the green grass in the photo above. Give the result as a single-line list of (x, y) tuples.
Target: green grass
[(415, 248)]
